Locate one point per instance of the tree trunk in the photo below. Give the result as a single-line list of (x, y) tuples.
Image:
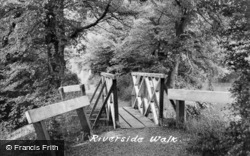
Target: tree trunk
[(179, 30), (55, 40), (173, 73)]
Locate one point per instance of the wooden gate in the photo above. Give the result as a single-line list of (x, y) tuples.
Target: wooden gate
[(148, 94)]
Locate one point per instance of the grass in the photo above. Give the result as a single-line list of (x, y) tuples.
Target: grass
[(146, 147), (70, 130)]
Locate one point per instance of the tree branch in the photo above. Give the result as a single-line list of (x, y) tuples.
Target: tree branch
[(77, 31)]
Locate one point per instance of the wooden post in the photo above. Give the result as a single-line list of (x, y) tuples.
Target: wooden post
[(61, 91), (161, 102), (104, 93), (180, 112), (42, 134), (82, 87), (115, 103), (41, 131), (84, 123)]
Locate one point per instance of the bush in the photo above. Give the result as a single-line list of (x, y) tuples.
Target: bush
[(209, 131), (125, 87)]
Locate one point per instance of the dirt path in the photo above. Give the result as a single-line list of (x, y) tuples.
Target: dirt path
[(136, 143)]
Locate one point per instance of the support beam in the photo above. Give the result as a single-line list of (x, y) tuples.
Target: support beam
[(83, 90), (41, 131), (62, 94), (84, 123), (180, 112), (161, 102), (115, 103)]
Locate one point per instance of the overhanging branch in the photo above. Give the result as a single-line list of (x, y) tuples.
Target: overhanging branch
[(77, 31)]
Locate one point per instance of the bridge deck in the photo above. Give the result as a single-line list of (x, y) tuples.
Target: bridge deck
[(131, 118)]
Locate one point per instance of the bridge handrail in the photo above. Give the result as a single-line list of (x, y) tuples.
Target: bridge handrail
[(42, 113), (148, 91), (108, 75), (200, 96), (108, 91), (158, 75), (71, 88), (181, 95), (39, 115)]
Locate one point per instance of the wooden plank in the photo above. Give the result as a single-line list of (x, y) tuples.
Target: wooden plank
[(52, 110), (201, 96), (115, 103), (61, 93), (108, 75), (97, 100), (146, 106), (130, 119), (42, 134), (21, 132), (148, 88), (159, 75), (83, 90), (112, 110), (140, 104), (123, 123), (41, 131), (72, 88), (142, 87), (154, 112), (144, 120), (84, 121), (103, 107), (180, 111), (99, 84), (161, 102)]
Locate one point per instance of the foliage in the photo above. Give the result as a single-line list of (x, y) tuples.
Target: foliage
[(210, 135), (154, 43), (33, 36), (235, 140), (125, 87)]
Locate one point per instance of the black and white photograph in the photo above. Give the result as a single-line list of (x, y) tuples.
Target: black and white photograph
[(124, 77)]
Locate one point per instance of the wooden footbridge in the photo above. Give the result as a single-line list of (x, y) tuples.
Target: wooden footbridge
[(146, 110)]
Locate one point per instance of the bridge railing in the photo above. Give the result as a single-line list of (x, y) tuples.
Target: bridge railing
[(71, 88), (180, 96), (148, 94), (108, 91), (38, 116)]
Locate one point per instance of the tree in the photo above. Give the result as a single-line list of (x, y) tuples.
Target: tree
[(34, 35), (160, 36)]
